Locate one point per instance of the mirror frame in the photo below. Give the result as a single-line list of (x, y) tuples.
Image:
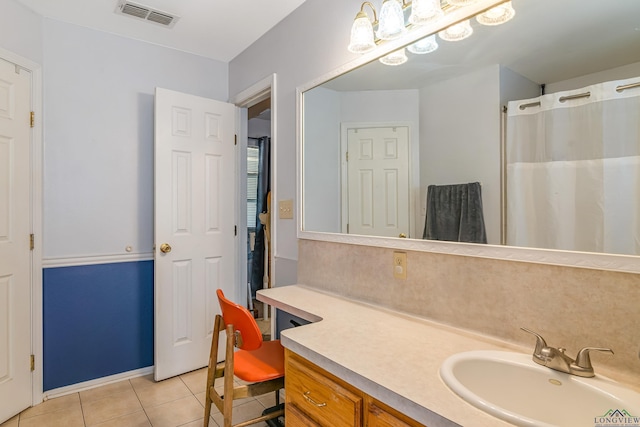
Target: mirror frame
[(593, 260)]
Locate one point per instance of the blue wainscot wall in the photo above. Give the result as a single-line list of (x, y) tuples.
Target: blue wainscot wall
[(98, 321)]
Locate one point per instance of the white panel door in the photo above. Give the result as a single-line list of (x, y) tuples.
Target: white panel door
[(194, 215), (15, 227), (378, 181)]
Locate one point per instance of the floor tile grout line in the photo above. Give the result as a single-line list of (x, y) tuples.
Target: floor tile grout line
[(110, 395), (194, 395), (48, 413), (84, 421), (141, 405)]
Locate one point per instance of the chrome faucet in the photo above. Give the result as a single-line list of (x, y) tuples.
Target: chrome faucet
[(555, 358)]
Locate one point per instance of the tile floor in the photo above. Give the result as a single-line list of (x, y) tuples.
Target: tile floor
[(138, 402)]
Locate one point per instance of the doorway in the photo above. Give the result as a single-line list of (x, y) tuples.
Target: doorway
[(258, 184), (256, 137)]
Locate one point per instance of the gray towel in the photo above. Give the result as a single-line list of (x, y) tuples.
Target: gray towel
[(454, 213)]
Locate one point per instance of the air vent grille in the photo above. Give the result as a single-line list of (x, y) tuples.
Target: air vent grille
[(139, 11), (133, 10), (160, 18)]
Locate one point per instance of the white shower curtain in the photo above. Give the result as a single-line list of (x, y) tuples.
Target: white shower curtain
[(573, 170)]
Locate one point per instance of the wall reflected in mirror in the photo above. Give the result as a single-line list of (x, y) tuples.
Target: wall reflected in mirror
[(440, 118)]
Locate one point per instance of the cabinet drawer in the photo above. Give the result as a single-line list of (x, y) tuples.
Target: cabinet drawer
[(322, 399), (296, 418)]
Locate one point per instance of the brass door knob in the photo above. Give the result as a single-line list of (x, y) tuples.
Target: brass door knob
[(402, 236), (165, 248)]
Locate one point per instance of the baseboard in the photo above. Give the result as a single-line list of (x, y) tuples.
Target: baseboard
[(87, 385)]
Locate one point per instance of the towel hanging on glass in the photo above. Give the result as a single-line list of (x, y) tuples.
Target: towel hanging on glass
[(454, 213)]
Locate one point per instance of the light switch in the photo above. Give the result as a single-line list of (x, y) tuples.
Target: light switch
[(285, 207), (400, 265)]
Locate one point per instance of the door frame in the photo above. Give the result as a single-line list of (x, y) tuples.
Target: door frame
[(344, 184), (36, 186), (249, 97)]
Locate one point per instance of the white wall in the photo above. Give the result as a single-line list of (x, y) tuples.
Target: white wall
[(20, 30), (309, 42), (513, 86), (99, 97), (460, 134), (618, 73), (259, 128), (321, 172)]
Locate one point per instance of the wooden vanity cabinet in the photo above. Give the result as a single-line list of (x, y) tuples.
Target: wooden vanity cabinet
[(319, 396), (316, 398), (377, 414)]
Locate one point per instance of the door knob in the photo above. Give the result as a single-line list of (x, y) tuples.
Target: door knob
[(165, 248), (402, 236)]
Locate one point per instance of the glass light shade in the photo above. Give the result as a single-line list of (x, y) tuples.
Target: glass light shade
[(424, 11), (361, 35), (461, 2), (457, 32), (497, 15), (425, 45), (395, 58), (391, 23)]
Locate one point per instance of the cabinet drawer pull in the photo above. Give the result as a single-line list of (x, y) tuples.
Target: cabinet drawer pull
[(310, 400)]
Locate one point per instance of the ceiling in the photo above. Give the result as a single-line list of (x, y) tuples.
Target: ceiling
[(218, 30)]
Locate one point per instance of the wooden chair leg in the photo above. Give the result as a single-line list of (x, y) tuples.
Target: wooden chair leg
[(211, 371), (228, 379)]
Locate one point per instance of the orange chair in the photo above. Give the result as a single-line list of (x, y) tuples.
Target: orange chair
[(257, 362)]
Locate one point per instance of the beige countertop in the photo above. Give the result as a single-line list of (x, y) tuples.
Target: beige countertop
[(389, 355)]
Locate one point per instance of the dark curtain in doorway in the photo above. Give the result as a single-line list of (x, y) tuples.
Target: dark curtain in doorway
[(264, 186)]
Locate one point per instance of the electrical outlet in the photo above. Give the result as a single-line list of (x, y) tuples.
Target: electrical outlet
[(400, 265)]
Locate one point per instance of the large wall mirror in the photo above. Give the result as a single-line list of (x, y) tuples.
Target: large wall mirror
[(440, 121)]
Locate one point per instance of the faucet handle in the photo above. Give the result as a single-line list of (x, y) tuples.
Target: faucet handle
[(540, 342), (583, 360)]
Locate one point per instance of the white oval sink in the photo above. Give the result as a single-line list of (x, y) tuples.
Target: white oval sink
[(512, 387)]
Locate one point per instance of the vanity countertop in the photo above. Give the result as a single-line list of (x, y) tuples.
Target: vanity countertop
[(389, 355)]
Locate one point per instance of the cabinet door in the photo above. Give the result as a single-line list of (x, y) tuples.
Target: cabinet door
[(324, 400), (296, 418), (379, 415)]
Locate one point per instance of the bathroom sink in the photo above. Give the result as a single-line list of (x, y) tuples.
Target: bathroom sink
[(512, 387)]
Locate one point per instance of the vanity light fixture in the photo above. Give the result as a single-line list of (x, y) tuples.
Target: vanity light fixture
[(457, 32), (497, 15), (391, 25), (425, 45), (362, 31), (397, 57)]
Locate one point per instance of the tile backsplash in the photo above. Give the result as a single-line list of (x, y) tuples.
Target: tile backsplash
[(570, 307)]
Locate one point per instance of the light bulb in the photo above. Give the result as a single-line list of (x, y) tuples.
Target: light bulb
[(425, 45), (391, 24), (395, 58), (361, 34), (456, 32), (424, 11), (497, 15)]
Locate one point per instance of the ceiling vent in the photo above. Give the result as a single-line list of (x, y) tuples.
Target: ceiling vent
[(146, 13)]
